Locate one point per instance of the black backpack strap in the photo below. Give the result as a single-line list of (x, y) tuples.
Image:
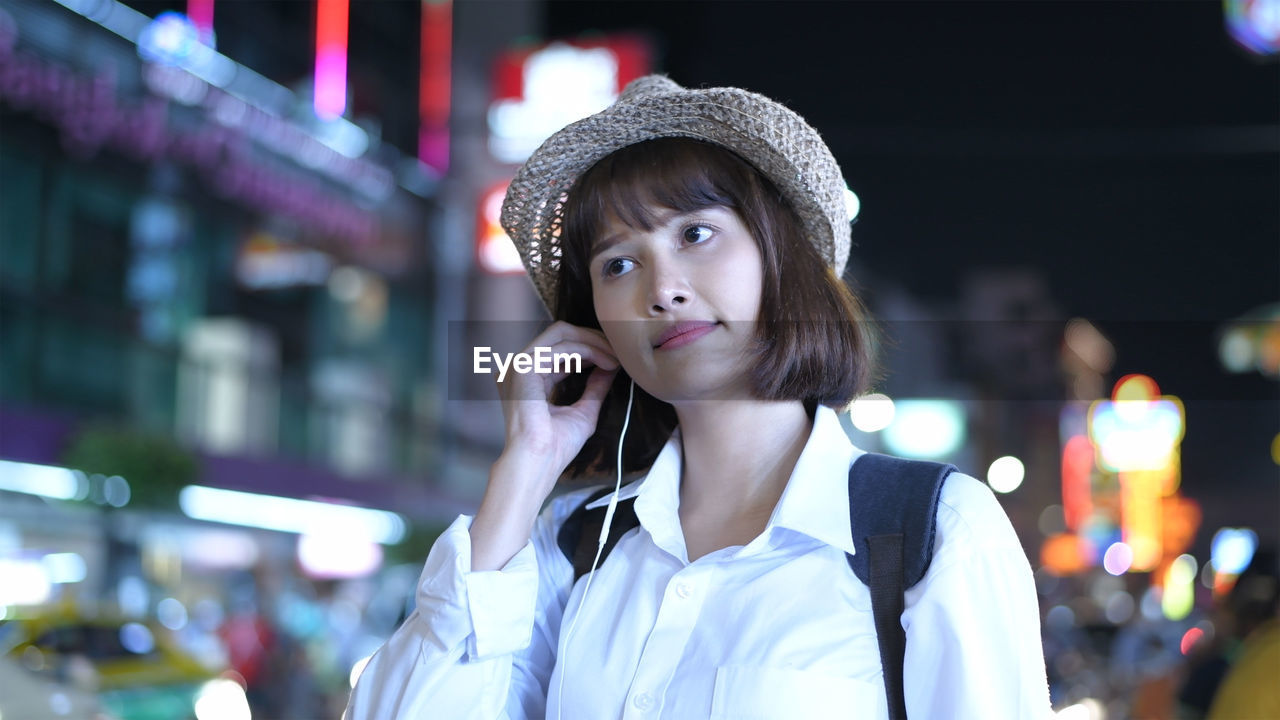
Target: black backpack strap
[(580, 532), (886, 609), (893, 509)]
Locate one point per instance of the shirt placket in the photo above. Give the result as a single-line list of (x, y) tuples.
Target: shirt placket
[(681, 605)]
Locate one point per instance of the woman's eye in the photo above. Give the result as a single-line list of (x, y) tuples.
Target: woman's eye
[(616, 266), (697, 233)]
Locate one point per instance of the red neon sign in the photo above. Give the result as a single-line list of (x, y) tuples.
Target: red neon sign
[(330, 99), (433, 84)]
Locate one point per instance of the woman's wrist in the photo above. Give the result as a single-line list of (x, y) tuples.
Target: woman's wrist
[(518, 486)]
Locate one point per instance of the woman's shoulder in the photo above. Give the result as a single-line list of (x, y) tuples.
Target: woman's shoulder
[(970, 515)]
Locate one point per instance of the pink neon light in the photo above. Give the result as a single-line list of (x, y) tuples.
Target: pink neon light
[(200, 12), (330, 99), (331, 84)]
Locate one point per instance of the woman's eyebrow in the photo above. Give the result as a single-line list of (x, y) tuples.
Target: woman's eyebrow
[(604, 244), (660, 218)]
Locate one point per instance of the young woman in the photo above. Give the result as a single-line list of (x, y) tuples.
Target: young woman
[(689, 244)]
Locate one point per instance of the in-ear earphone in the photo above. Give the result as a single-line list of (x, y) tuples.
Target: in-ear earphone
[(604, 534)]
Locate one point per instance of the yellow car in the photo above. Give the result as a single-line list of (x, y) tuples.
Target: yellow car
[(137, 672)]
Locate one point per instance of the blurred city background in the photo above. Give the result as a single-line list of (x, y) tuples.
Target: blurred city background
[(235, 236)]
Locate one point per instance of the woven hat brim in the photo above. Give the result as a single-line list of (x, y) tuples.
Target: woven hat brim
[(769, 136)]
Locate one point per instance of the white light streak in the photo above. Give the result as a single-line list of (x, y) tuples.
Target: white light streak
[(272, 512), (44, 480)]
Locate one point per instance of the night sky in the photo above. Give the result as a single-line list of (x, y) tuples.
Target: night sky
[(1129, 152)]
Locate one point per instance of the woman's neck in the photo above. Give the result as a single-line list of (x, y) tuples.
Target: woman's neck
[(738, 455)]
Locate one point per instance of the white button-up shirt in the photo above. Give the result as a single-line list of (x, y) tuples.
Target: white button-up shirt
[(777, 629)]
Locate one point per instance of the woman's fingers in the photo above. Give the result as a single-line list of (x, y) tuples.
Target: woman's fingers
[(562, 331), (589, 356), (561, 349), (558, 351), (597, 387), (553, 365)]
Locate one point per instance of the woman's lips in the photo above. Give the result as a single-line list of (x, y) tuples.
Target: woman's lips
[(683, 335)]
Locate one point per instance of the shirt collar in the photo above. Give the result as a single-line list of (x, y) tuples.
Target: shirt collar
[(667, 464), (816, 499), (818, 483)]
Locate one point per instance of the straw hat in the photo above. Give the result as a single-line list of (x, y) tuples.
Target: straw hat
[(778, 142)]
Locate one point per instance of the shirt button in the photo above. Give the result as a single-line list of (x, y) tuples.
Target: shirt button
[(643, 701), (684, 590)]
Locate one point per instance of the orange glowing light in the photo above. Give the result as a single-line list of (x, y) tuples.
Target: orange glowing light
[(1269, 350), (1141, 516), (1222, 584), (1171, 474), (1180, 519), (1135, 387), (1065, 554), (495, 252)]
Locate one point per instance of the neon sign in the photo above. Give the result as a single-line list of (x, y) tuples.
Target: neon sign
[(540, 90)]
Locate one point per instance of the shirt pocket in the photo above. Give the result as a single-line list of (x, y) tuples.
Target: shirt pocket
[(762, 693)]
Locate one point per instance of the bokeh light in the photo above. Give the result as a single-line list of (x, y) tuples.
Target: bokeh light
[(1117, 559), (872, 413), (1232, 549), (1135, 388), (1189, 640), (1006, 474), (925, 429), (1178, 596), (1052, 520), (1119, 608)]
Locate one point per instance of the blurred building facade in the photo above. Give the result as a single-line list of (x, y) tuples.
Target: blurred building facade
[(204, 287), (206, 261)]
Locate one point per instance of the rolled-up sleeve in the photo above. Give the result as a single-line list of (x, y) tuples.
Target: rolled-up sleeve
[(478, 644), (502, 605), (973, 623)]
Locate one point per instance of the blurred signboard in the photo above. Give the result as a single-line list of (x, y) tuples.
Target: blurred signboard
[(540, 89), (1121, 470), (265, 263)]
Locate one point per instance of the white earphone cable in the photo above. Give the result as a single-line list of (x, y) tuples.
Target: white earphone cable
[(604, 535)]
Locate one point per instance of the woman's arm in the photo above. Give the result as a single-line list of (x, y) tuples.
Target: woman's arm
[(480, 644), (973, 623)]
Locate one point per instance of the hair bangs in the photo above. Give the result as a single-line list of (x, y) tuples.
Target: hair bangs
[(635, 184)]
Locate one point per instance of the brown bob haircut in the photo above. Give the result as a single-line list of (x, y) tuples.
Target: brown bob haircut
[(813, 341)]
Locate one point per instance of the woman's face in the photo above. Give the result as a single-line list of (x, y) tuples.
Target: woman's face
[(679, 302)]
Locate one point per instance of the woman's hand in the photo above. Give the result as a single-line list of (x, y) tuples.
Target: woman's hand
[(541, 439), (547, 434)]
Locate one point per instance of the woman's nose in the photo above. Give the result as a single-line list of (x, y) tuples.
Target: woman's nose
[(668, 288)]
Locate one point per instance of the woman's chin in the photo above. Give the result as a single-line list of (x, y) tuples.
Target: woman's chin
[(695, 389)]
